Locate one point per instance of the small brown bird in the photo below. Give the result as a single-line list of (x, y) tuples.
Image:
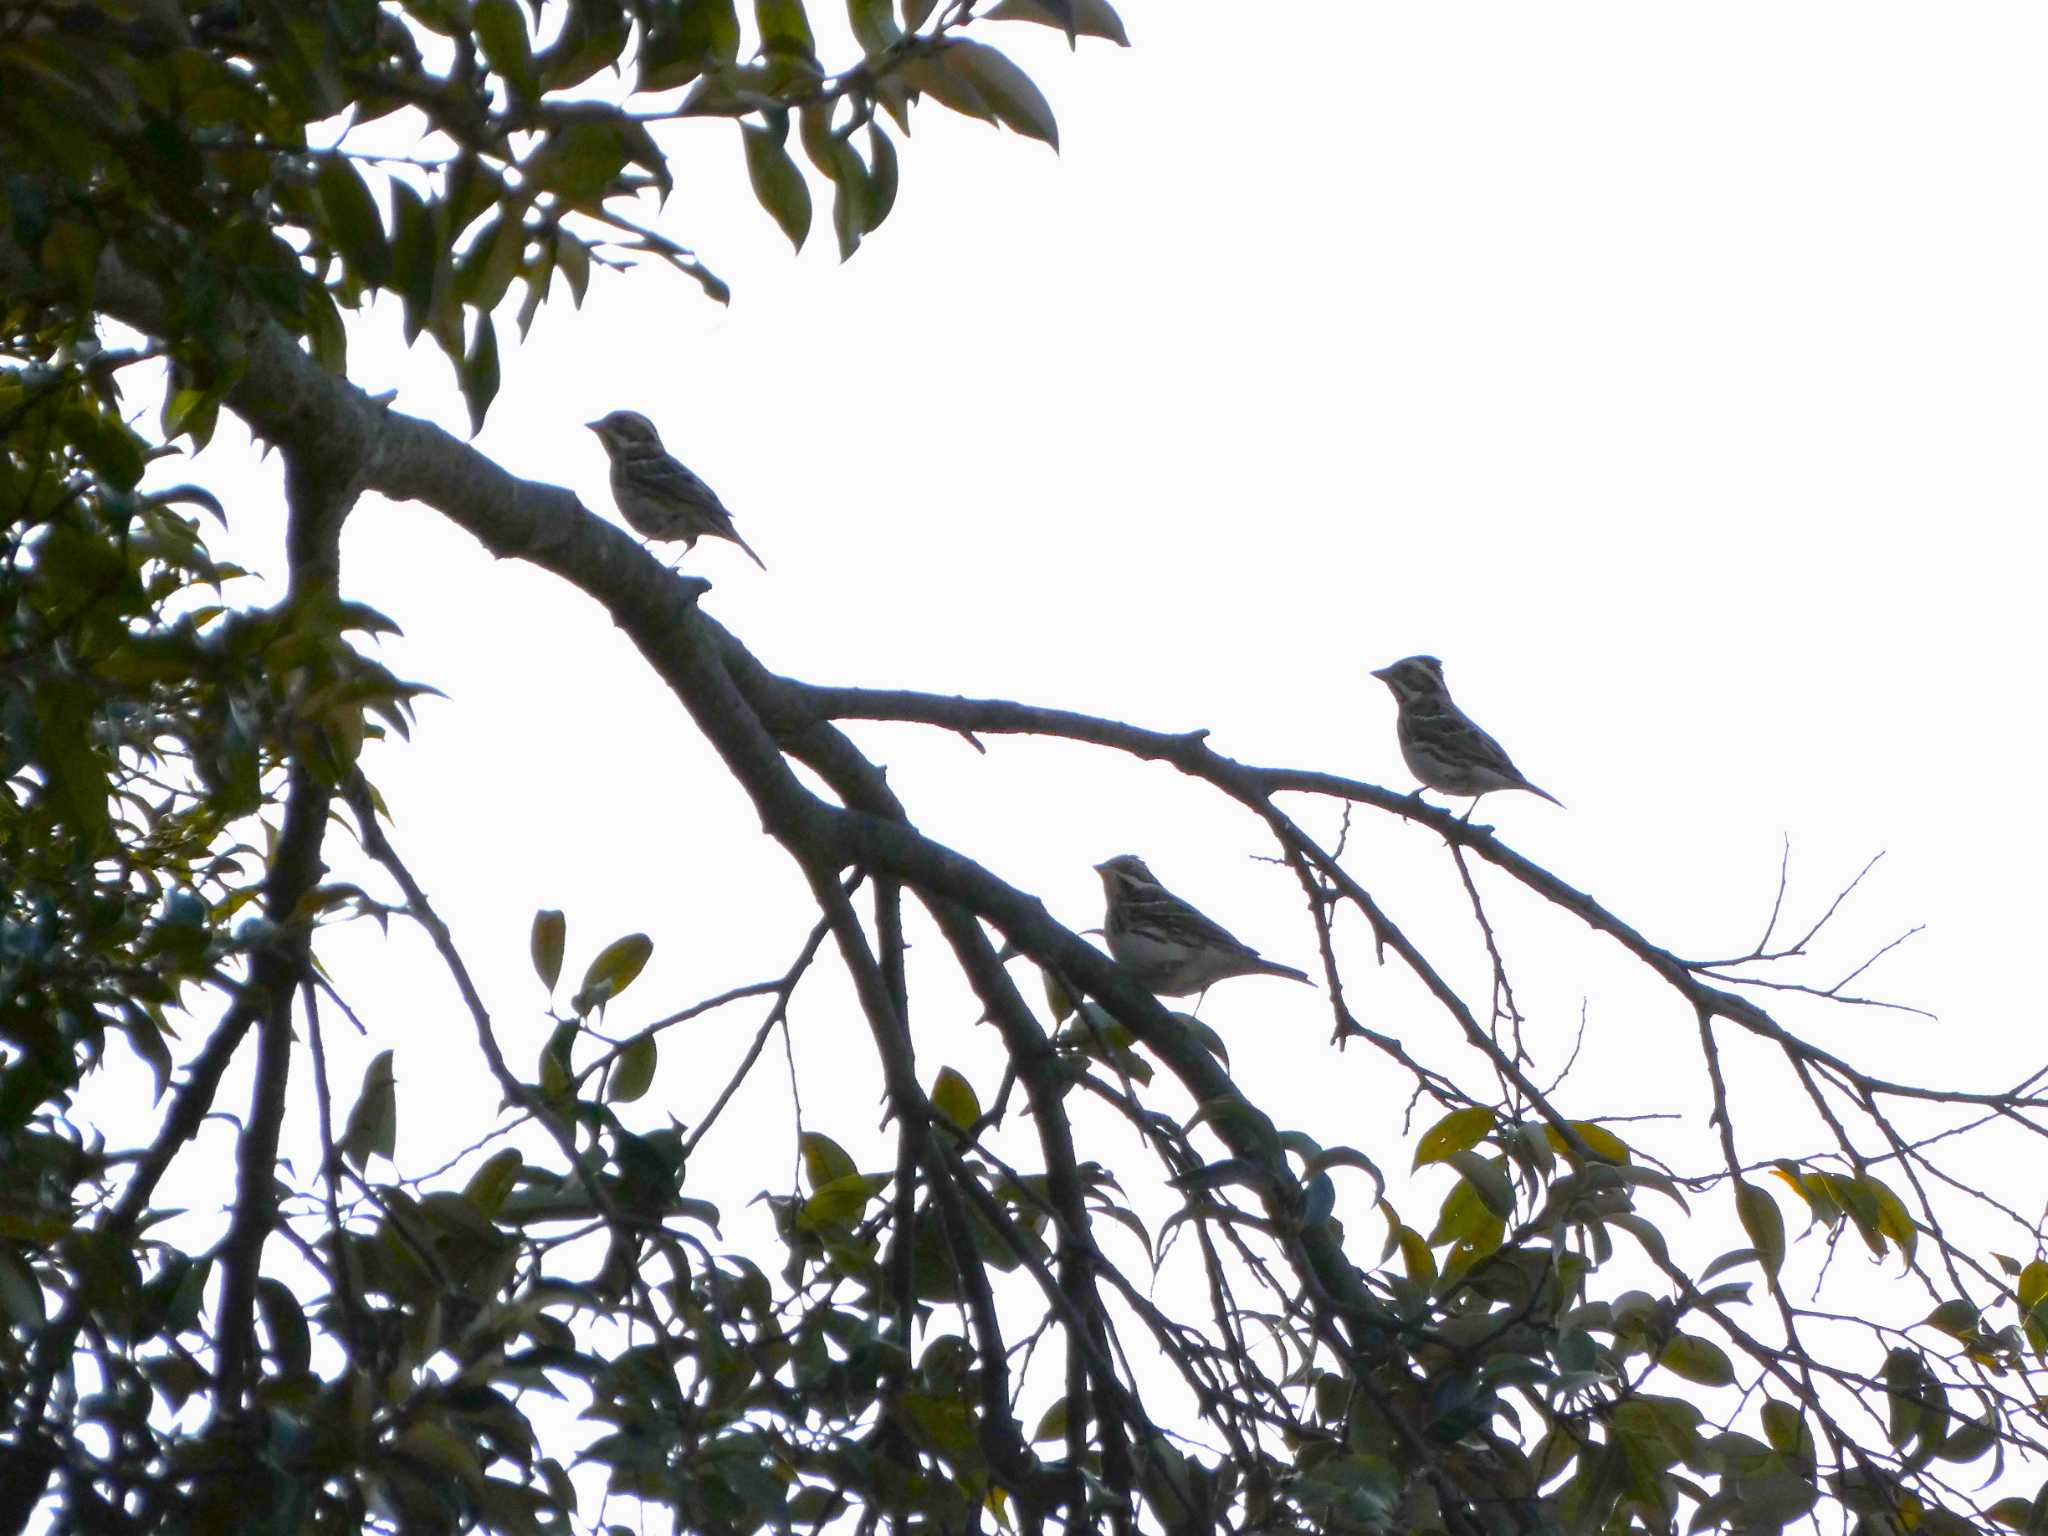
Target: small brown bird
[(657, 495), (1169, 947), (1439, 742)]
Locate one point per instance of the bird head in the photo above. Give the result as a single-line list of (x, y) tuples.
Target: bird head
[(625, 429), (1414, 677), (1126, 869)]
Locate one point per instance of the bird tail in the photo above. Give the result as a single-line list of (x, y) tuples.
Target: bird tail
[(1275, 968), (743, 544), (1546, 794)]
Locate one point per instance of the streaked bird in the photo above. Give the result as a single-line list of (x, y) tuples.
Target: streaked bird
[(657, 494), (1166, 945), (1439, 742)]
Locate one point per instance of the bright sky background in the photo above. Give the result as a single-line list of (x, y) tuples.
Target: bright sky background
[(1674, 373)]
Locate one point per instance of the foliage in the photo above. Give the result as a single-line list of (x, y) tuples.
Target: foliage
[(375, 1346)]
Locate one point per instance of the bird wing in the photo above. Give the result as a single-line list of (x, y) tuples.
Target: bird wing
[(1449, 733), (672, 478), (1160, 912), (667, 476)]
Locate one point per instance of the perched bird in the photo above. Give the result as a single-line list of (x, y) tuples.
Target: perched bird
[(657, 495), (1169, 947), (1439, 742)]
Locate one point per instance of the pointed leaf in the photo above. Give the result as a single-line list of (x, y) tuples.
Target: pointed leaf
[(1488, 1181), (613, 970), (373, 1123), (492, 1182), (1460, 1129), (1958, 1319), (1006, 89), (2033, 1285), (778, 184), (633, 1072), (284, 1320), (874, 24), (352, 218), (1697, 1359), (1052, 1424), (1893, 1220), (1600, 1141), (502, 32), (824, 1159), (954, 1097), (1086, 18), (1764, 1223), (550, 932)]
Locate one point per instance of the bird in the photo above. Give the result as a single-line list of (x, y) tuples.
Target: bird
[(1169, 948), (657, 494), (1439, 742)]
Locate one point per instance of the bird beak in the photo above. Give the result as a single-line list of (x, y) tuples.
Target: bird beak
[(1381, 674), (594, 425)]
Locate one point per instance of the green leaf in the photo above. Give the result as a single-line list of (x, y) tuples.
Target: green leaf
[(352, 218), (1057, 998), (592, 38), (1958, 1319), (1347, 1157), (1209, 1040), (1972, 1439), (1007, 90), (416, 257), (1488, 1181), (824, 1159), (633, 1073), (493, 1181), (778, 184), (1906, 1382), (851, 204), (501, 30), (681, 42), (874, 24), (1052, 1424), (954, 1097), (1415, 1255), (480, 373), (839, 1202), (1697, 1359), (1644, 1232), (2033, 1285), (582, 159), (21, 1296), (1085, 18), (1600, 1141), (928, 73), (1785, 1427), (193, 412), (613, 971), (1764, 1223), (784, 28), (882, 177), (1735, 1258), (555, 1056), (550, 932), (373, 1123), (284, 1320), (1893, 1220), (1460, 1129)]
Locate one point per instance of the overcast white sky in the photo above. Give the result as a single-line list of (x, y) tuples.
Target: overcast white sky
[(1674, 373)]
